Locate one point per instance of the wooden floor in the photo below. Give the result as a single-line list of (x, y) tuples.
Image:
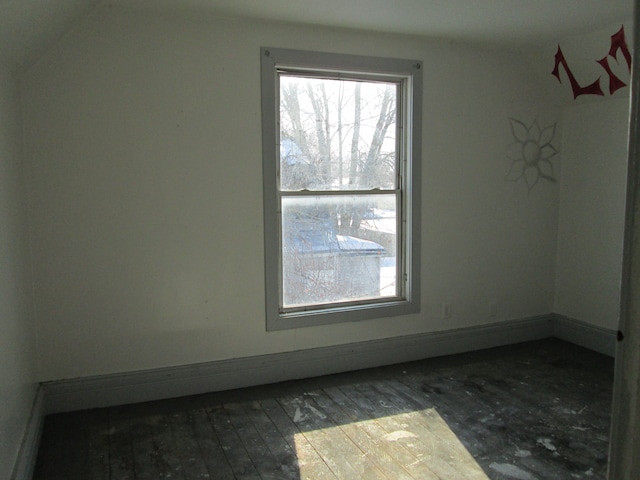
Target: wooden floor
[(532, 411)]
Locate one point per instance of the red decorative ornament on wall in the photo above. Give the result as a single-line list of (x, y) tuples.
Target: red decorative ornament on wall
[(618, 44)]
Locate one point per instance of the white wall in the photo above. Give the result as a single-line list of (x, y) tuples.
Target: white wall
[(17, 352), (593, 189), (143, 142), (592, 200)]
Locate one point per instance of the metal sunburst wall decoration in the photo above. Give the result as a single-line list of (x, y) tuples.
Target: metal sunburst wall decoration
[(531, 153)]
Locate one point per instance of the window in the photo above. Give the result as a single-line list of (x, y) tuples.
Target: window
[(341, 166)]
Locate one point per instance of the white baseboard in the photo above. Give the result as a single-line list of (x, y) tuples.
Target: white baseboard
[(131, 387), (26, 461), (599, 339), (156, 384)]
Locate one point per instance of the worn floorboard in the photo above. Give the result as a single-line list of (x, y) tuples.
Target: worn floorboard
[(538, 410)]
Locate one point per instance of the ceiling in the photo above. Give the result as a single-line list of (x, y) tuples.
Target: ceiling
[(27, 27), (484, 20)]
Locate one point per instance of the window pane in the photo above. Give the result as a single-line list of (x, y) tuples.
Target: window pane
[(338, 249), (337, 134)]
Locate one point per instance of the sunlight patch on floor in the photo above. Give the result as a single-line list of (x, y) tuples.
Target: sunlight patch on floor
[(416, 443)]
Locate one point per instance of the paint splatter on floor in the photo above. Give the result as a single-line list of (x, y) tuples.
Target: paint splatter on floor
[(398, 434), (511, 471), (546, 443)]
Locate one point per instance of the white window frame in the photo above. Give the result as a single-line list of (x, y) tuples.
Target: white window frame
[(409, 72)]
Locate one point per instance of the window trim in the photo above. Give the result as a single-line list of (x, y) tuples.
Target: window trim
[(351, 66)]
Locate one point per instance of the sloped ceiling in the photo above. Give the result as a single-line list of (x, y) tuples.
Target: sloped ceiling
[(520, 21), (28, 27)]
